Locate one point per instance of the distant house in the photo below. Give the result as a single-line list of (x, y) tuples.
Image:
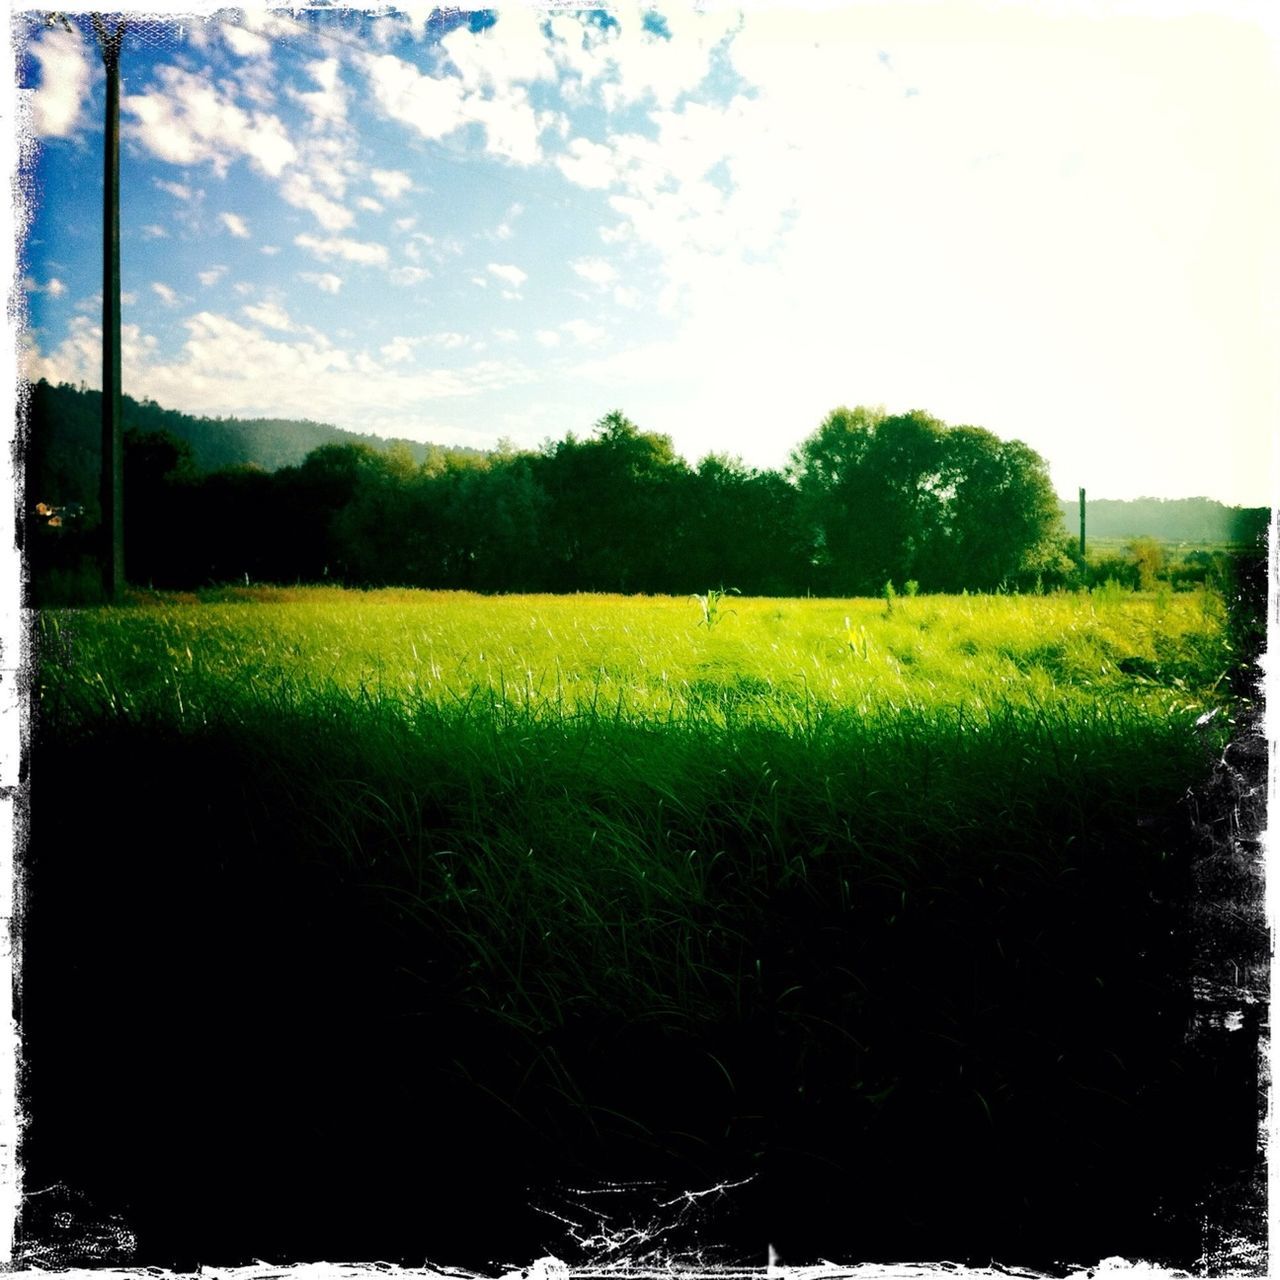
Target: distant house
[(56, 517)]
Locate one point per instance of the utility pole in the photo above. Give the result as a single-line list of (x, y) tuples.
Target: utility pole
[(111, 492), (1081, 524)]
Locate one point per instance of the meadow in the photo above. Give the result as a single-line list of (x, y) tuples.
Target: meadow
[(874, 903)]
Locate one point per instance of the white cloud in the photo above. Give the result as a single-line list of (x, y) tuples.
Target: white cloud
[(179, 190), (325, 281), (270, 250), (406, 224), (595, 270), (329, 159), (166, 295), (247, 44), (398, 350), (54, 288), (369, 204), (78, 357), (548, 337), (506, 335), (63, 89), (582, 332), (510, 124), (235, 224), (429, 104), (511, 274), (409, 275), (369, 255), (211, 276), (186, 120), (153, 231), (298, 190), (391, 183), (413, 247), (588, 164), (269, 314), (232, 368), (512, 49), (627, 63), (506, 228), (326, 105), (436, 105)]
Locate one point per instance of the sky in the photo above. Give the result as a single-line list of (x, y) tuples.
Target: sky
[(1056, 221)]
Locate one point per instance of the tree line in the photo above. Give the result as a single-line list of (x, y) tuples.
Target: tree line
[(868, 499)]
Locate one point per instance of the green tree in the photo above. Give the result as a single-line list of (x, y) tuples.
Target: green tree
[(869, 487), (907, 498), (1001, 521), (737, 526), (158, 470), (613, 508), (1148, 555)]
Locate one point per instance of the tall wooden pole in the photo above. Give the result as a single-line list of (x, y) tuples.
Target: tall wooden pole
[(1081, 524), (111, 492)]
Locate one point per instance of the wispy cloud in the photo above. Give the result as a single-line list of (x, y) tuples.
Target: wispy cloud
[(186, 120), (405, 276), (391, 183), (512, 275), (299, 190), (595, 270), (359, 252), (179, 190), (269, 314), (257, 372), (235, 224), (325, 281)]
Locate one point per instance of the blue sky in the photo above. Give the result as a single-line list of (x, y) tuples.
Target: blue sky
[(1057, 222)]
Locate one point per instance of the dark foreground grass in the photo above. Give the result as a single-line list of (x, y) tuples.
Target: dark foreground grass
[(360, 975)]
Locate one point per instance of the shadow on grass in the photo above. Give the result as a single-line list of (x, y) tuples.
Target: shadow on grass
[(959, 1030)]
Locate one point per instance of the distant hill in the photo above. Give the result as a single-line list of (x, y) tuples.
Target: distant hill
[(64, 429), (1199, 520), (64, 426)]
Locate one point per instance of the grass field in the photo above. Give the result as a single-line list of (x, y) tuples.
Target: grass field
[(868, 901), (641, 658)]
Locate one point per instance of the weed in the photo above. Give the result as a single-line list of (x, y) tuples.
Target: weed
[(711, 605)]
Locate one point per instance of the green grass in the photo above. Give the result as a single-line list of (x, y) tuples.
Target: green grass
[(541, 658), (878, 905), (595, 799)]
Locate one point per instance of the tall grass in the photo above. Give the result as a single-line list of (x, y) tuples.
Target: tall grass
[(622, 657), (596, 800), (879, 905)]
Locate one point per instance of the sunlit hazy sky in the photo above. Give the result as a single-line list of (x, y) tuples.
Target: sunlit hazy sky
[(1055, 221)]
